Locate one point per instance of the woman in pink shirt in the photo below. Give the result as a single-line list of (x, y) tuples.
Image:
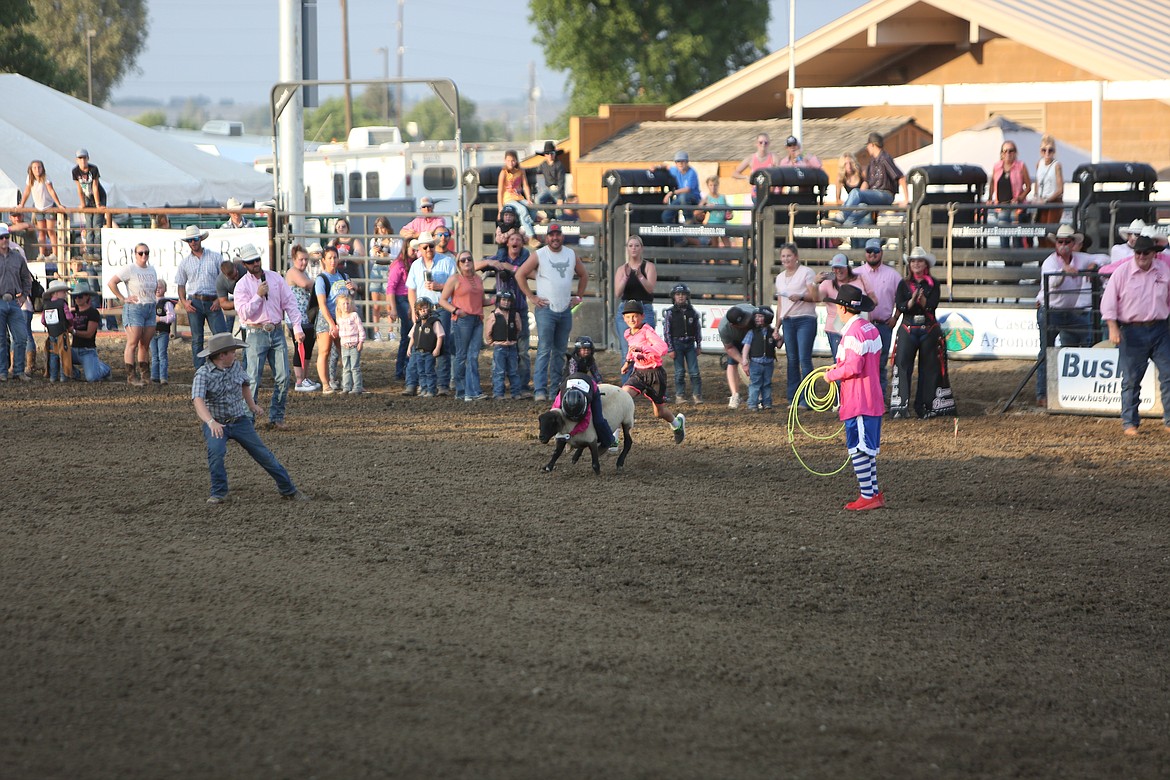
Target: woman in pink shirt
[(396, 288)]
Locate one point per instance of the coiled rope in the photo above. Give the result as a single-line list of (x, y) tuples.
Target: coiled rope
[(821, 402)]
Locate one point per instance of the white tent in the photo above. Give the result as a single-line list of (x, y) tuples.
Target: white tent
[(980, 146), (140, 168)]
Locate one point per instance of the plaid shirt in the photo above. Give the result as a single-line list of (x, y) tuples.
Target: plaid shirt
[(197, 275), (220, 390)]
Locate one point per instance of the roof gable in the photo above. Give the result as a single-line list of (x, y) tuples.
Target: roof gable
[(857, 44)]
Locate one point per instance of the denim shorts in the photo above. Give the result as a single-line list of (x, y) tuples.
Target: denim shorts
[(138, 315)]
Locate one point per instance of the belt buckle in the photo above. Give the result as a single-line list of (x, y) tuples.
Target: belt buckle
[(919, 319), (9, 297)]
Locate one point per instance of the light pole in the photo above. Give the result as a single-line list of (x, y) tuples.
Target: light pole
[(89, 36), (385, 88)]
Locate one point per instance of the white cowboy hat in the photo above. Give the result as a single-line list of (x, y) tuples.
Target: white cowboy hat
[(426, 238), (56, 287), (1066, 231), (221, 342), (233, 205), (315, 248), (1135, 228), (193, 233), (248, 253), (918, 253)]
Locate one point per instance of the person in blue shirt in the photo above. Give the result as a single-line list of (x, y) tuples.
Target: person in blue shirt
[(686, 187)]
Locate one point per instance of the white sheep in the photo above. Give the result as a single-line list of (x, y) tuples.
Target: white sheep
[(618, 408)]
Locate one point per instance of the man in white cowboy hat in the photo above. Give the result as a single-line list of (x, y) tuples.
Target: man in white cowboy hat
[(862, 402), (425, 279), (15, 289), (550, 180), (1136, 305), (86, 319), (222, 402), (195, 283), (1129, 234), (236, 215), (263, 300), (1069, 303)]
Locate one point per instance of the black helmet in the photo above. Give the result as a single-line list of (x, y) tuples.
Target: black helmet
[(505, 295), (574, 403), (740, 315), (583, 343), (423, 303), (633, 307), (680, 289), (768, 314)]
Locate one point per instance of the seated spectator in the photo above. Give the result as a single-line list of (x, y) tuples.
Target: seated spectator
[(550, 188), (686, 187), (848, 176), (236, 216), (426, 223), (796, 156), (507, 222), (716, 214), (512, 188)]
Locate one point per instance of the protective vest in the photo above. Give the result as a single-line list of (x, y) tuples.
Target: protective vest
[(763, 345), (684, 324), (55, 318), (427, 338), (504, 327)]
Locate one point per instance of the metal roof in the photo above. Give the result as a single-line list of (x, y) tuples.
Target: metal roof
[(723, 141)]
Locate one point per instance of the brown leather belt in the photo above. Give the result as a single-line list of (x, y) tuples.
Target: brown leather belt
[(205, 297)]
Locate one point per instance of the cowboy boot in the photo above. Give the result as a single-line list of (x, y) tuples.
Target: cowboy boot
[(143, 374), (30, 362), (132, 375)]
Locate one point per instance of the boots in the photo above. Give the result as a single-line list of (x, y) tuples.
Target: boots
[(143, 373), (132, 375), (30, 362)]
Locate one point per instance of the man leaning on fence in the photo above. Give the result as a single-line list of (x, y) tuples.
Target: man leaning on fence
[(1070, 295), (1136, 305)]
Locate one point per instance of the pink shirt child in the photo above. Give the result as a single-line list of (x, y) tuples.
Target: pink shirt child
[(350, 329), (646, 347), (858, 368)]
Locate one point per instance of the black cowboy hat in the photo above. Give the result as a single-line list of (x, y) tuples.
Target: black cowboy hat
[(852, 298)]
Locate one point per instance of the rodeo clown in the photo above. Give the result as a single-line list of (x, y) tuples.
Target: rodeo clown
[(858, 369)]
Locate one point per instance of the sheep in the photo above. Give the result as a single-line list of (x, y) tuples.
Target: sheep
[(618, 408)]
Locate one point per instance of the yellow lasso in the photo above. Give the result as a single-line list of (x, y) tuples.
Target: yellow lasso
[(818, 403)]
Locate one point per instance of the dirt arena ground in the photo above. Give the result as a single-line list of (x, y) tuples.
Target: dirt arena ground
[(442, 609)]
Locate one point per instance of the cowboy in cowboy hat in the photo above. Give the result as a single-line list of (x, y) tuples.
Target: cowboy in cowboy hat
[(1064, 301), (195, 283), (223, 406)]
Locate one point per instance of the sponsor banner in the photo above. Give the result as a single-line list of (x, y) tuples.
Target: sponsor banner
[(167, 248), (1084, 379), (681, 230), (1012, 231), (990, 333)]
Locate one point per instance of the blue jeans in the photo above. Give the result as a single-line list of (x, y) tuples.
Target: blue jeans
[(1073, 328), (552, 338), (505, 363), (760, 384), (271, 348), (686, 361), (52, 361), (670, 216), (1139, 345), (203, 314), (402, 306), (92, 235), (799, 334), (443, 361), (420, 372), (834, 342), (159, 364), (351, 370), (243, 431), (887, 334), (860, 197), (12, 320), (525, 216), (92, 368), (468, 334), (620, 328)]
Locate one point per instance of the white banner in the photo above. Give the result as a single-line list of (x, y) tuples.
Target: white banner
[(1085, 379), (167, 248)]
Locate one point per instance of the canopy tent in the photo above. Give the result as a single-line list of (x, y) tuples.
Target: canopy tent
[(980, 146), (140, 168)]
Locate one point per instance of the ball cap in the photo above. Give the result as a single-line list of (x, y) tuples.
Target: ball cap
[(554, 228), (852, 298), (839, 261), (791, 141), (681, 156), (82, 153), (1144, 244), (873, 245)]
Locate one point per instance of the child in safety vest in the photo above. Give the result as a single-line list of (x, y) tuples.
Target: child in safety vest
[(759, 348), (426, 344), (502, 334), (682, 332)]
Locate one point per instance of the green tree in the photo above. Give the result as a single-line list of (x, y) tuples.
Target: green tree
[(153, 118), (436, 123), (120, 27), (327, 121), (646, 51), (22, 52)]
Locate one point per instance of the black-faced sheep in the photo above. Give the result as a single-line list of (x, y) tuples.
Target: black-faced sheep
[(618, 408)]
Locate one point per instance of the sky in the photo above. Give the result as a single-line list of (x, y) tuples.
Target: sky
[(238, 41)]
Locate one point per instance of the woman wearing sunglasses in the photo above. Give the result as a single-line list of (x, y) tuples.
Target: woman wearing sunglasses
[(1049, 184), (138, 317)]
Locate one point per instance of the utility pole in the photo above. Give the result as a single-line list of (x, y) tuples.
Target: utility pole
[(533, 96), (89, 36), (345, 64), (401, 53), (384, 97)]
